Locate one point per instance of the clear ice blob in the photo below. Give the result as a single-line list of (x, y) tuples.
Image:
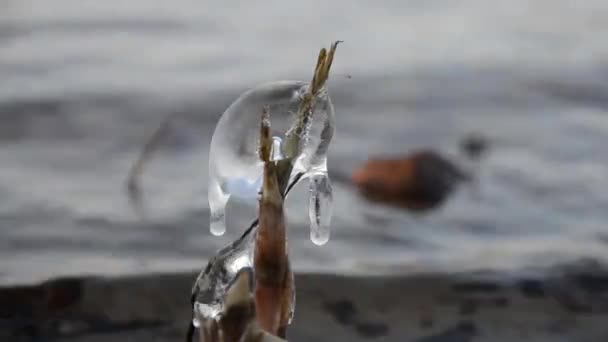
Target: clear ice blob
[(235, 169), (211, 285)]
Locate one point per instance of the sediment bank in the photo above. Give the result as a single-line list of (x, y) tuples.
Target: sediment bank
[(559, 304)]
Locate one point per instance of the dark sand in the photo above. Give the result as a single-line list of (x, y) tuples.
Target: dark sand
[(566, 303)]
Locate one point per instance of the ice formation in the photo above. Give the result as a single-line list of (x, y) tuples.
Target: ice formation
[(298, 140), (211, 285), (235, 170)]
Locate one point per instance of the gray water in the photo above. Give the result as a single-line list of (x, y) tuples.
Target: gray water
[(84, 83)]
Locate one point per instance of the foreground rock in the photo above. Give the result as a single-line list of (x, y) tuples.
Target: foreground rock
[(561, 304)]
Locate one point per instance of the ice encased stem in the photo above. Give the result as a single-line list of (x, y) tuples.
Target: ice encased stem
[(212, 284), (235, 169)]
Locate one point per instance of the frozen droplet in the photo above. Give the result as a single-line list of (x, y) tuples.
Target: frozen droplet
[(235, 168), (217, 227), (196, 322), (320, 207), (217, 209)]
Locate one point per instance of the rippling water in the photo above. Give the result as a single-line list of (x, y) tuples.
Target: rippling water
[(84, 83)]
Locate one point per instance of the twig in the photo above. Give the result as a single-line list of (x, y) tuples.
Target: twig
[(134, 189), (273, 277), (306, 108)]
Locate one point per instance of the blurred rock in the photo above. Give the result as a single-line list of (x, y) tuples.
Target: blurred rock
[(420, 181)]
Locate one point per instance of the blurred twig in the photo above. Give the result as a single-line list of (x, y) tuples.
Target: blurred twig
[(133, 185)]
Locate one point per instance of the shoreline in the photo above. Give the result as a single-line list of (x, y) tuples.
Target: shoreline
[(565, 303)]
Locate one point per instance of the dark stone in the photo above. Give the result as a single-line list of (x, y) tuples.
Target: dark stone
[(501, 302), (532, 288), (72, 327), (102, 325), (371, 329), (468, 307), (595, 283), (62, 293), (343, 311), (476, 286), (573, 305), (20, 301), (426, 322), (464, 331), (32, 301)]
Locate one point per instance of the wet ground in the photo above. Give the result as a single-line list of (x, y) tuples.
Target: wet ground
[(83, 84), (562, 303)]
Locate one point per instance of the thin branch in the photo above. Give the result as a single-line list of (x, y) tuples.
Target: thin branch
[(133, 185)]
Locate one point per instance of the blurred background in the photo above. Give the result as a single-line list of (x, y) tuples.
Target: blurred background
[(83, 85)]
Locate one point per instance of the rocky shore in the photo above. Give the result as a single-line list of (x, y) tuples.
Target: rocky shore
[(563, 303)]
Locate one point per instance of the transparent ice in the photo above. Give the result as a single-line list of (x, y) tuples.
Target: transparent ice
[(320, 209), (211, 285), (235, 169)]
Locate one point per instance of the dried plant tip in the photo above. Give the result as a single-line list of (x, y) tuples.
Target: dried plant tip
[(270, 185), (330, 57), (306, 108), (316, 79), (265, 139)]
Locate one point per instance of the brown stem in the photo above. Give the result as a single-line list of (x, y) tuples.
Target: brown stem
[(270, 262)]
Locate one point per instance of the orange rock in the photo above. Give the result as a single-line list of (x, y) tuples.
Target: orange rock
[(419, 182)]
